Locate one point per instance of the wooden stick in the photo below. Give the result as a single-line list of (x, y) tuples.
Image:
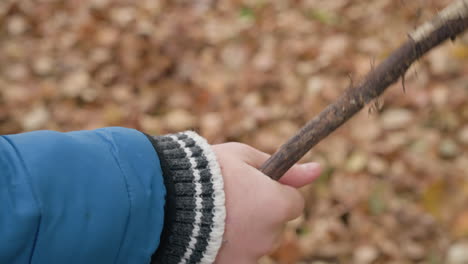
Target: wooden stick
[(447, 24)]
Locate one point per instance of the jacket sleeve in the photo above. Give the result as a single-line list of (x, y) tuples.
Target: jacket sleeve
[(80, 197), (111, 195)]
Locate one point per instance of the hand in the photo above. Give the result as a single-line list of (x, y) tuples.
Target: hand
[(257, 207)]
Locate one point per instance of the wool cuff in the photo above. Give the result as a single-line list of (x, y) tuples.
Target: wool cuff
[(194, 210)]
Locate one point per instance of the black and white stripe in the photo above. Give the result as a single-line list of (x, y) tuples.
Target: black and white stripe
[(195, 212)]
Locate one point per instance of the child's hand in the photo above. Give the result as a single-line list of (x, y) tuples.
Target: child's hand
[(256, 206)]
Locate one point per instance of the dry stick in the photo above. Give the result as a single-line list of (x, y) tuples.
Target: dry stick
[(449, 23)]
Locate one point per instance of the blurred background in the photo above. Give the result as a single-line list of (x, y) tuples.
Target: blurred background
[(395, 182)]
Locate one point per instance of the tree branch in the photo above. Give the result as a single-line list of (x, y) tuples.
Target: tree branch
[(447, 24)]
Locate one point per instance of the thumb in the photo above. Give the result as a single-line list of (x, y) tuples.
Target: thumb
[(300, 175)]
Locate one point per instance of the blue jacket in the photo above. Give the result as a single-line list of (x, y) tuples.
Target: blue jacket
[(80, 197)]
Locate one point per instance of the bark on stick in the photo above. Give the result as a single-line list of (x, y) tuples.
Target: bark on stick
[(447, 24)]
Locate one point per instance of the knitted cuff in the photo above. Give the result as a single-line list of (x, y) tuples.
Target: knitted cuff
[(194, 211)]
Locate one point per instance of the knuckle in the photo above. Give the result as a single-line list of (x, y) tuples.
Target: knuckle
[(300, 203), (267, 246), (283, 208), (241, 149), (293, 205), (236, 146)]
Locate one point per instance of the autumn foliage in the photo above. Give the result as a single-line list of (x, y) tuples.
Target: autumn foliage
[(394, 187)]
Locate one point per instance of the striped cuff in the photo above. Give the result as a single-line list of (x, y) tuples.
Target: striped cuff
[(194, 211)]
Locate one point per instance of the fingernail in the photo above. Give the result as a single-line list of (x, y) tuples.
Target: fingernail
[(311, 166)]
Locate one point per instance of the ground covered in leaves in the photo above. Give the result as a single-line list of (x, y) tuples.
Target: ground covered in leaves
[(395, 184)]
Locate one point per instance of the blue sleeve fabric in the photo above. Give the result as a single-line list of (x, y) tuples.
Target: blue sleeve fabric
[(80, 197)]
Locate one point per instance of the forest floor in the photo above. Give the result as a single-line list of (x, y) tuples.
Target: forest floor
[(395, 181)]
